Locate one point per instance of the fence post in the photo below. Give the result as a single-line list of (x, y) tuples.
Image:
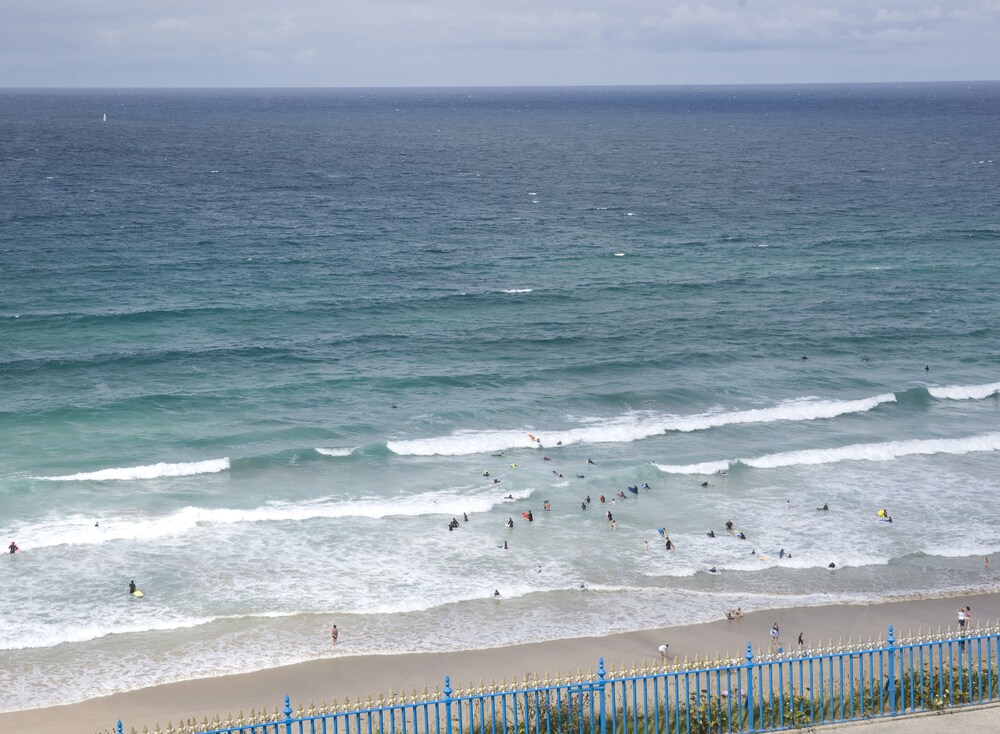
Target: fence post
[(750, 686), (118, 729), (288, 715), (600, 684), (891, 642), (447, 702)]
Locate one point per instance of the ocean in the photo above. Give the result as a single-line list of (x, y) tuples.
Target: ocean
[(259, 347)]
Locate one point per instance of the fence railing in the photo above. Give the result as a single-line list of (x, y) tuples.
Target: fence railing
[(769, 692)]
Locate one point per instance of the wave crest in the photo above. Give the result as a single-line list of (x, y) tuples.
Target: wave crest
[(965, 392), (855, 452), (633, 426), (151, 471)]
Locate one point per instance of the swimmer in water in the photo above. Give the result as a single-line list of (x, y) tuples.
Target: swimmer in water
[(824, 507), (510, 522)]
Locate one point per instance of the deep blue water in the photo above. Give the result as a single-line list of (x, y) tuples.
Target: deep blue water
[(270, 340)]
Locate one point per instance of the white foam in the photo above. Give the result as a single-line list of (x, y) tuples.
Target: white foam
[(333, 452), (633, 426), (856, 452), (48, 636), (517, 290), (965, 392), (80, 530), (707, 467), (151, 471)]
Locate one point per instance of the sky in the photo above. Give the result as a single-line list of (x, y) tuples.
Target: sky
[(402, 43)]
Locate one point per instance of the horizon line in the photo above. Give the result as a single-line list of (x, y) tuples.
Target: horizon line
[(493, 86)]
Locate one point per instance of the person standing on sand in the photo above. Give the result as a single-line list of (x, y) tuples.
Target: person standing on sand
[(333, 634), (775, 634)]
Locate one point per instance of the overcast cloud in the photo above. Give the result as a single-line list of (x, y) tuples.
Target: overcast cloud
[(337, 43)]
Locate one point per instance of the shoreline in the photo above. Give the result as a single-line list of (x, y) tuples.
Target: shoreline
[(334, 678)]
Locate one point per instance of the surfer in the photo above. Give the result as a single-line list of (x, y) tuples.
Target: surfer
[(590, 461), (742, 536), (500, 454), (580, 476), (669, 545), (486, 472), (510, 522), (601, 498), (496, 593), (782, 553), (531, 517), (705, 484), (645, 485), (509, 497), (824, 508), (465, 516), (13, 547), (496, 481), (729, 525), (588, 499), (583, 505), (131, 587), (711, 533)]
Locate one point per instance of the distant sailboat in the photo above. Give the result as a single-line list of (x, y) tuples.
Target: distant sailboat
[(105, 117)]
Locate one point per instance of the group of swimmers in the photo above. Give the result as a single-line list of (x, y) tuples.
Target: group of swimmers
[(634, 489)]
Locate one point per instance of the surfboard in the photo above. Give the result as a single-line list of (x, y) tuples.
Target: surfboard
[(137, 594), (526, 516)]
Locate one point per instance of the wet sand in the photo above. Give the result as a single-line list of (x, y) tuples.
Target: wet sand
[(341, 675)]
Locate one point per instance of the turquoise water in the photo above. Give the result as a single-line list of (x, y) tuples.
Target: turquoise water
[(258, 348)]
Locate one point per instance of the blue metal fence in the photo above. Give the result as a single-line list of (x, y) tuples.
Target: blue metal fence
[(769, 692)]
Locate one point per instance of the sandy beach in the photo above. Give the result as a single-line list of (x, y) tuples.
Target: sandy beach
[(338, 676)]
